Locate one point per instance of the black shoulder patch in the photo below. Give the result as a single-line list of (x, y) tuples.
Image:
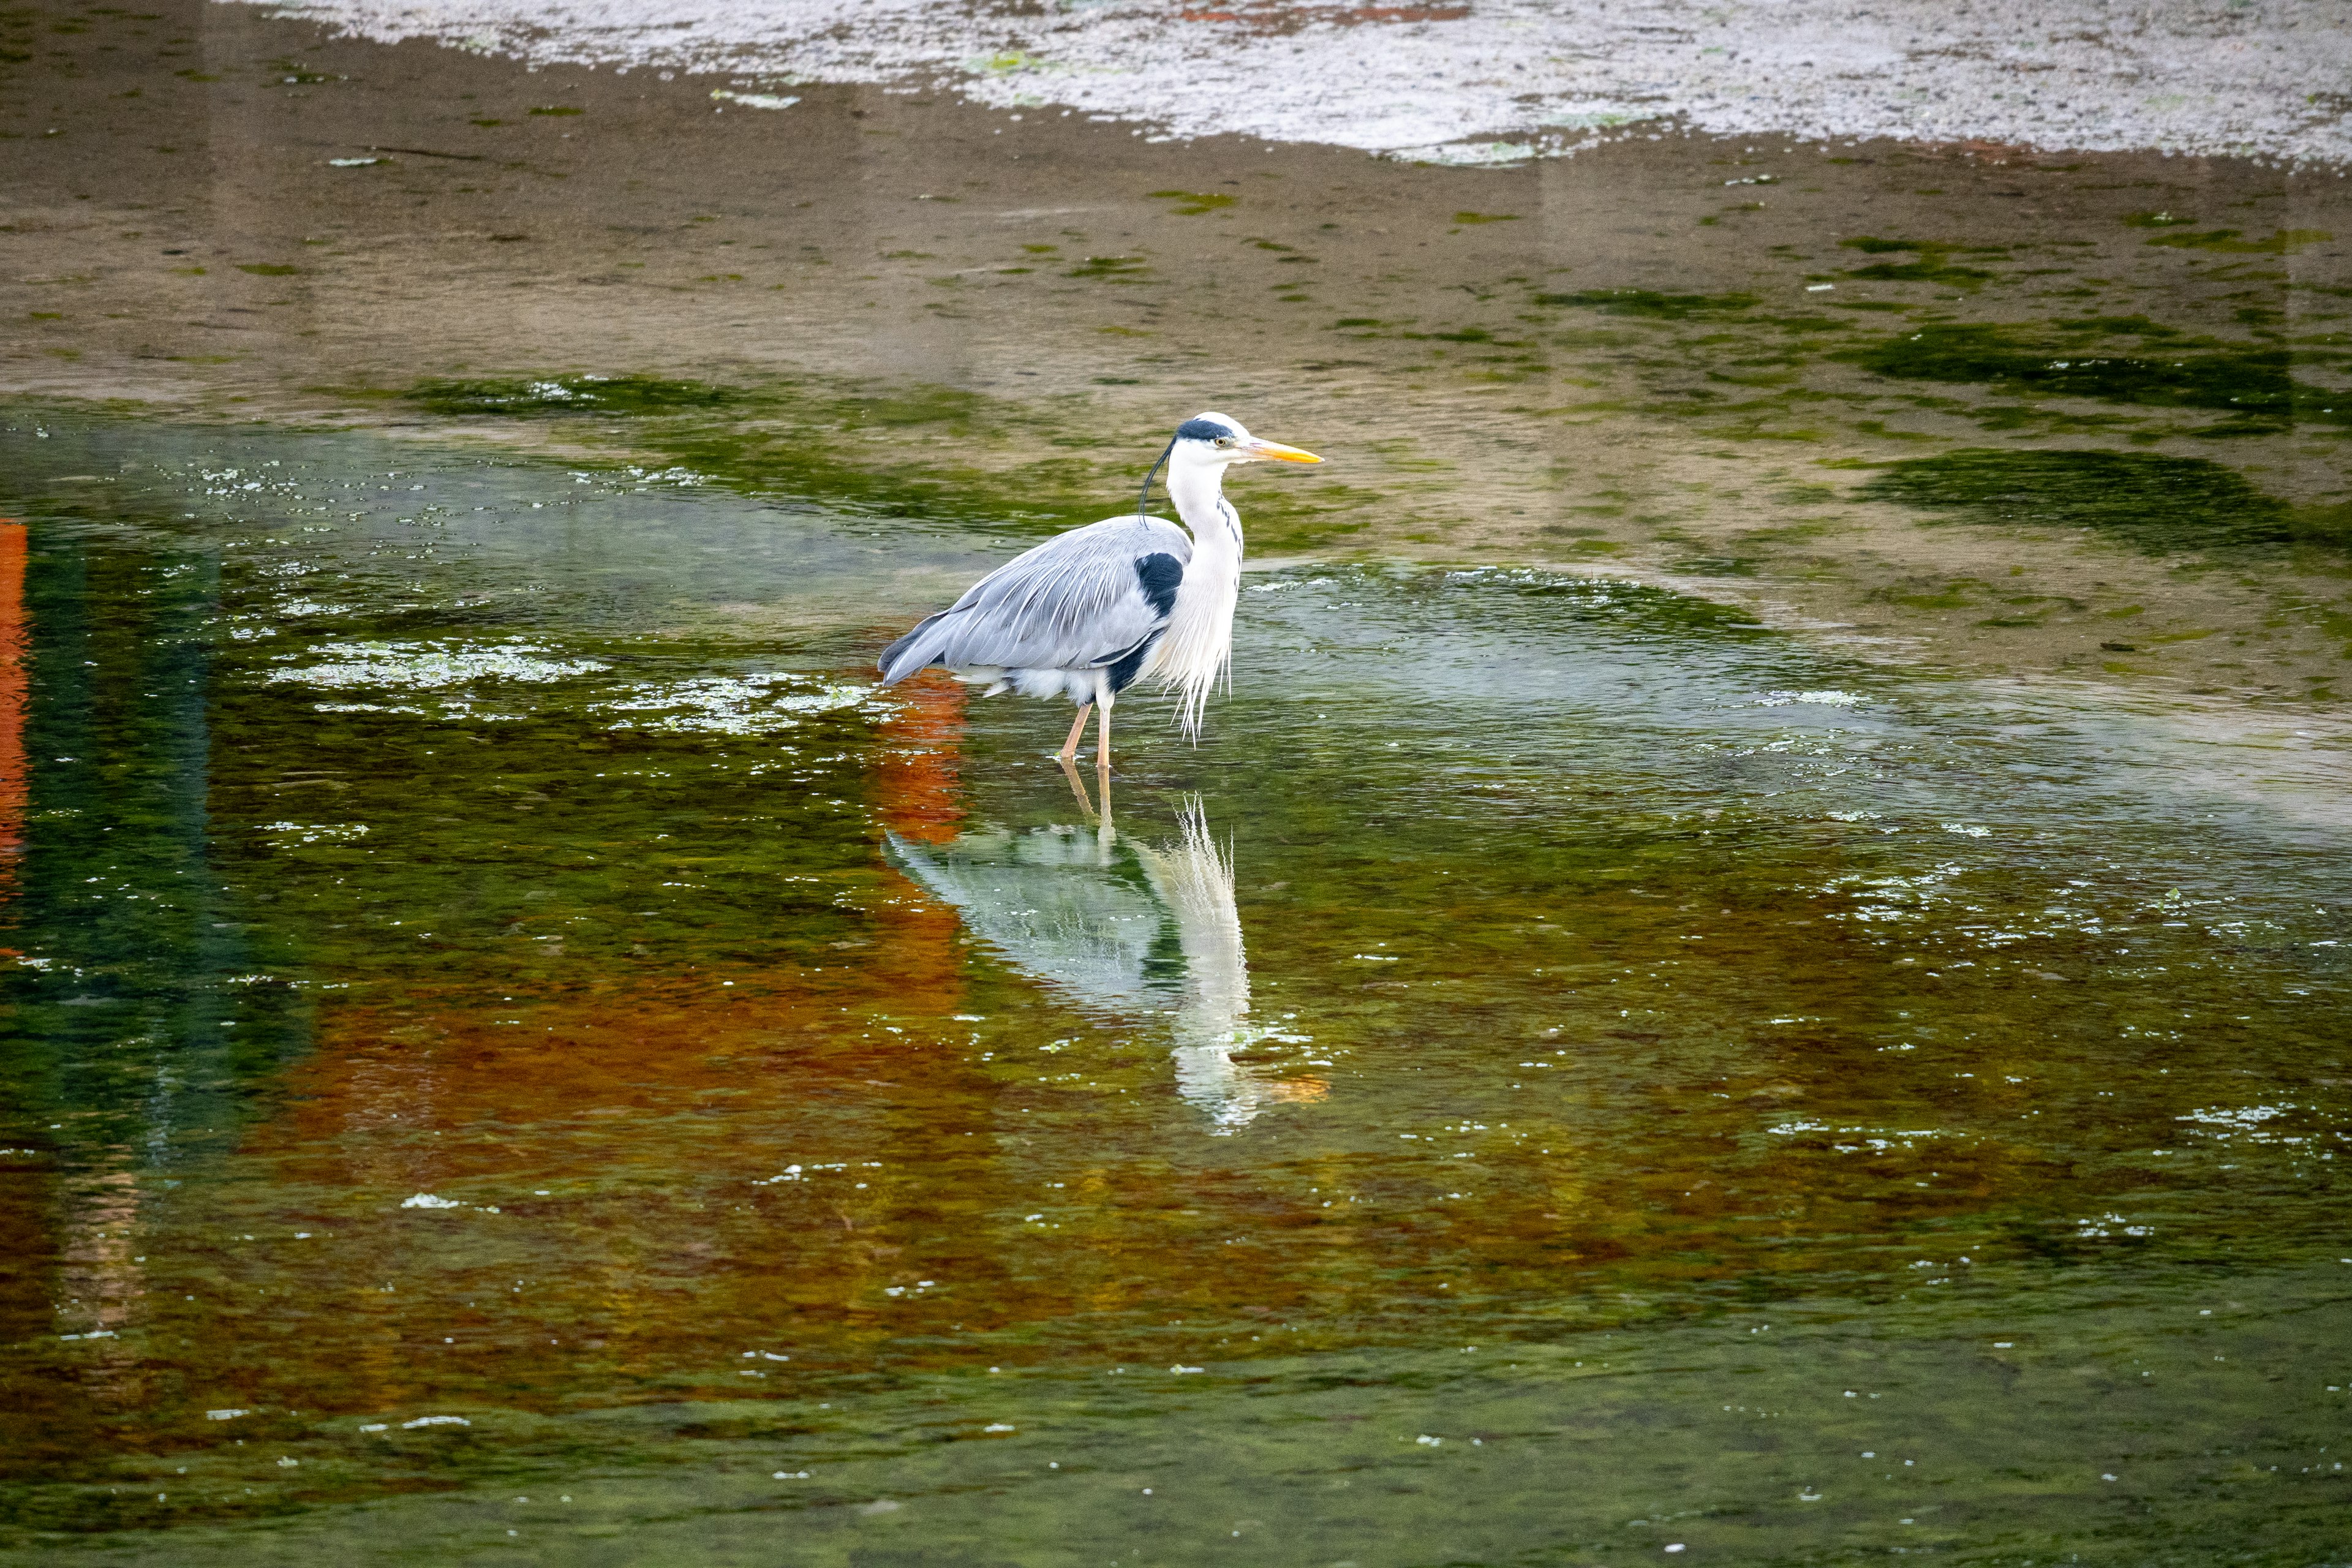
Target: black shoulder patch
[(1202, 430), (1123, 670), (1159, 575)]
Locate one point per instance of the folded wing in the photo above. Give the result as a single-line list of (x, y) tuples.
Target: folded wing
[(1082, 600)]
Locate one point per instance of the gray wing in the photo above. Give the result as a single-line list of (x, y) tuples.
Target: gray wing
[(1081, 600)]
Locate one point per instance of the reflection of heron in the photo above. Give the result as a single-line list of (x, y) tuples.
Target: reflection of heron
[(1120, 928), (1087, 611)]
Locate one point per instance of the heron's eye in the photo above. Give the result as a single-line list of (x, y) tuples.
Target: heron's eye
[(1224, 440)]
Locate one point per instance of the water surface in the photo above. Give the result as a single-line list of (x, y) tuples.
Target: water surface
[(514, 1050)]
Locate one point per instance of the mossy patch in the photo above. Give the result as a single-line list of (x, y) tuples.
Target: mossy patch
[(914, 453), (1650, 303), (1192, 204), (1111, 268), (621, 394), (1645, 611), (2158, 503), (2158, 367), (2230, 241), (1931, 266)]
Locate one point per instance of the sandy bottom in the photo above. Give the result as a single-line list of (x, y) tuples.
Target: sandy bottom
[(1680, 358)]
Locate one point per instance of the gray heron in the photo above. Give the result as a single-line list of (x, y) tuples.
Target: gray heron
[(1085, 613)]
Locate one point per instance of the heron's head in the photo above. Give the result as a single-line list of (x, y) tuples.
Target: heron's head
[(1213, 441)]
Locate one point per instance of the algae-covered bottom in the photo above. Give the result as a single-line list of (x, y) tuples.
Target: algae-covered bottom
[(514, 1051)]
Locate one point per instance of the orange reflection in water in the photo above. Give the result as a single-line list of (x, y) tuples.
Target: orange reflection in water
[(700, 1159), (14, 775), (916, 778), (591, 1194), (26, 1220), (619, 1128)]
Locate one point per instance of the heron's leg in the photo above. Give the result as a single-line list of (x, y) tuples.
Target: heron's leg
[(1103, 699), (1078, 731)]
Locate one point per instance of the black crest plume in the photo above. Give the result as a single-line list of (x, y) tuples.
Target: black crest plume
[(1143, 496)]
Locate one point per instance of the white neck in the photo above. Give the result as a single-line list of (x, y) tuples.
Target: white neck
[(1193, 654), (1198, 495)]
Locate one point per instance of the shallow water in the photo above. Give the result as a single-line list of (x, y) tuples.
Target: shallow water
[(513, 1050)]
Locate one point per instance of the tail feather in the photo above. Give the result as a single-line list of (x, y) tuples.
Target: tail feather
[(913, 652)]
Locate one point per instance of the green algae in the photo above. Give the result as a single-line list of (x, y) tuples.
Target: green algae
[(628, 395), (1638, 610), (1651, 304), (1192, 204), (2231, 241), (1921, 271), (2156, 503), (2154, 365), (1930, 267), (789, 439), (1110, 269), (913, 452)]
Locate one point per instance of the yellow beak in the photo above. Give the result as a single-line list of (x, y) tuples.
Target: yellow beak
[(1279, 452)]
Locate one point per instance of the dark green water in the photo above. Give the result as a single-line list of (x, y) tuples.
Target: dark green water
[(512, 1052)]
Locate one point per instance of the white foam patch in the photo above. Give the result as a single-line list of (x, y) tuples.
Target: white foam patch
[(721, 705), (1817, 698), (290, 833), (1492, 81), (429, 665)]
